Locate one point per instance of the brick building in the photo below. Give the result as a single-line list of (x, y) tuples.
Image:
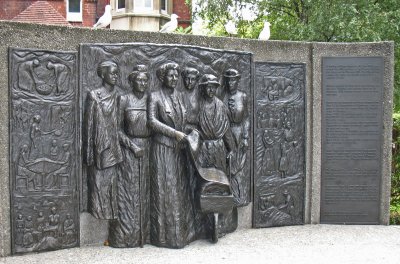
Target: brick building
[(127, 14)]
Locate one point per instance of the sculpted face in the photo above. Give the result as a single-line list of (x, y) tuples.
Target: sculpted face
[(111, 75), (232, 84), (190, 81), (171, 78), (140, 83), (210, 90)]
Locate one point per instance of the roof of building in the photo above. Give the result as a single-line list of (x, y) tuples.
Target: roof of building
[(41, 12)]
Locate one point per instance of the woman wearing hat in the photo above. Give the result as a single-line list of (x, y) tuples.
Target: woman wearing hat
[(215, 132), (217, 142), (236, 101)]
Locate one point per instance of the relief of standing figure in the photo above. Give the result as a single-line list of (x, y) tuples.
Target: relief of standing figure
[(236, 101), (191, 96), (132, 227), (217, 145), (101, 145), (171, 209)]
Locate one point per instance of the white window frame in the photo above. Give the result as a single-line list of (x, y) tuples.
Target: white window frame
[(119, 9), (142, 8), (74, 16)]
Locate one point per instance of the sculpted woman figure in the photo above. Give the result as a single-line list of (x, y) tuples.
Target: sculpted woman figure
[(101, 144), (191, 95), (217, 142), (131, 228), (171, 209), (236, 101)]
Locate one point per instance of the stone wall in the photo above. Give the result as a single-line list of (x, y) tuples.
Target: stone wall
[(69, 38)]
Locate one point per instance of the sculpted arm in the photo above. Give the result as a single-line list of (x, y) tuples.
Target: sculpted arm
[(88, 144), (155, 124), (246, 122)]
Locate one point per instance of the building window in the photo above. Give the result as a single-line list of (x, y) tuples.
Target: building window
[(120, 4), (74, 10), (163, 5), (143, 5)]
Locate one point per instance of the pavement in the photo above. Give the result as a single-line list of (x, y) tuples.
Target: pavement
[(294, 244)]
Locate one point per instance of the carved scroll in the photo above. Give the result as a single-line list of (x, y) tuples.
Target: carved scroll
[(44, 149), (279, 140)]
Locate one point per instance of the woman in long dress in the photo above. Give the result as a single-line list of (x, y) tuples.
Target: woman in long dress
[(236, 101), (217, 143), (171, 209), (102, 151), (131, 228)]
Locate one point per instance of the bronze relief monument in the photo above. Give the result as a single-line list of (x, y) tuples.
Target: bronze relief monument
[(166, 135), (139, 144), (167, 143)]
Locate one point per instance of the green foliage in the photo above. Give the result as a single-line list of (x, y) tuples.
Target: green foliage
[(320, 20), (182, 30), (311, 20)]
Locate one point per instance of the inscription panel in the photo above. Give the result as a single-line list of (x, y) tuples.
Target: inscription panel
[(351, 139), (44, 150), (279, 140)]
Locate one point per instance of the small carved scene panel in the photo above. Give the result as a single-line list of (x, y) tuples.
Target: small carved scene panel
[(44, 149), (279, 144)]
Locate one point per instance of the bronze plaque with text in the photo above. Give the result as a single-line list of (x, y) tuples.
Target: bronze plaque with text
[(351, 139)]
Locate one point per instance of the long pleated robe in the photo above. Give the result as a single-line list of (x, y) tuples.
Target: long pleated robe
[(171, 207), (102, 152), (132, 226), (217, 140)]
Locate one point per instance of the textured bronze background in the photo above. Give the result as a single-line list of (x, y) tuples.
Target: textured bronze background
[(351, 139), (44, 149), (279, 140)]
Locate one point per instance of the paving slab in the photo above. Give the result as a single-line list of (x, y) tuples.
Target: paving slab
[(295, 244)]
